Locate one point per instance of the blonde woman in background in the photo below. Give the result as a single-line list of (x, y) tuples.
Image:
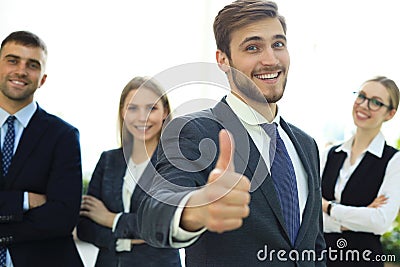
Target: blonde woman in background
[(108, 212)]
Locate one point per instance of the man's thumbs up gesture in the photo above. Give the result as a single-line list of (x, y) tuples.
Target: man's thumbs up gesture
[(223, 202)]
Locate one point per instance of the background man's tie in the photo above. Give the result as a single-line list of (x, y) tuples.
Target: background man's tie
[(7, 154), (284, 178), (8, 145)]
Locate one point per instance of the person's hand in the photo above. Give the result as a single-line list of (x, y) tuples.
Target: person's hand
[(126, 244), (137, 241), (376, 203), (379, 201), (36, 200), (325, 204), (343, 229), (95, 210), (223, 203)]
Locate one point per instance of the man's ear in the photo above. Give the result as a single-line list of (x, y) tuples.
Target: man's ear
[(43, 80), (222, 60)]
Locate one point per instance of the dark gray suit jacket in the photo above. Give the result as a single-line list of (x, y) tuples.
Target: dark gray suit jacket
[(106, 185), (188, 152)]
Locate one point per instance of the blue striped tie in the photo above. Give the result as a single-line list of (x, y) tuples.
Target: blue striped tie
[(7, 154), (283, 175)]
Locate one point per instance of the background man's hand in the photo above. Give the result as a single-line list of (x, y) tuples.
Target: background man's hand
[(36, 200)]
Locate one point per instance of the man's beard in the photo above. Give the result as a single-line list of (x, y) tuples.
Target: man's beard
[(249, 89)]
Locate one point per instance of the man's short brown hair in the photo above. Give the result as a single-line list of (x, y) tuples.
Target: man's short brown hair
[(239, 14)]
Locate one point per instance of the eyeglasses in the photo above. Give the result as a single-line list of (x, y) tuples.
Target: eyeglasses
[(373, 103)]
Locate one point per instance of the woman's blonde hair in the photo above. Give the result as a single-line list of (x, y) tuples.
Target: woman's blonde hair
[(144, 83)]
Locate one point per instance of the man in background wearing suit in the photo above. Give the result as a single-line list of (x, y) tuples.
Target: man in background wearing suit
[(41, 175), (221, 217)]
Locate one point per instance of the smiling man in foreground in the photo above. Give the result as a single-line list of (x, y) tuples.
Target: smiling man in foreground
[(237, 178)]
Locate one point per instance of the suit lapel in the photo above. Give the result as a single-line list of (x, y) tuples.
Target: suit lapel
[(118, 169), (36, 127), (229, 121), (248, 159)]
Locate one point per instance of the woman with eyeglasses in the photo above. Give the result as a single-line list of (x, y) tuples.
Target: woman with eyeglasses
[(361, 181)]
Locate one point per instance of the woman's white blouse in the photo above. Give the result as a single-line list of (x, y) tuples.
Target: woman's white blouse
[(363, 219)]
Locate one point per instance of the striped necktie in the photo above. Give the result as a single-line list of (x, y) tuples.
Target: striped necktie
[(284, 178)]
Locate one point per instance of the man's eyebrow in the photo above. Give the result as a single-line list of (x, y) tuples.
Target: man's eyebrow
[(251, 38), (11, 55), (258, 38), (29, 59), (280, 36)]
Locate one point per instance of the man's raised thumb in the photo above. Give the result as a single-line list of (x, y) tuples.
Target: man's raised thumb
[(226, 151)]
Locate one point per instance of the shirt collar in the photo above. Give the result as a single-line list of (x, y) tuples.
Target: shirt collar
[(246, 113), (375, 147), (23, 115)]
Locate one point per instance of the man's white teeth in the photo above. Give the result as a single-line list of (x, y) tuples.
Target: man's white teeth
[(268, 75), (18, 82)]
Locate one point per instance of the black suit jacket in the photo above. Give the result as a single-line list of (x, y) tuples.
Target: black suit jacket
[(47, 161), (106, 184), (188, 152)]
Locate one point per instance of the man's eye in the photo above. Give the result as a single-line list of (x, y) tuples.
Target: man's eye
[(12, 61), (251, 48), (279, 44), (34, 66)]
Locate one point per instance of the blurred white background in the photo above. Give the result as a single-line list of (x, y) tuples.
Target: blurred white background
[(96, 47)]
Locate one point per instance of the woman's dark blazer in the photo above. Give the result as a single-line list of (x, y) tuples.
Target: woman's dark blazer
[(106, 185)]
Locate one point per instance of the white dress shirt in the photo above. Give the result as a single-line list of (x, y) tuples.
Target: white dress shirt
[(132, 175), (23, 117), (363, 219), (250, 120)]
